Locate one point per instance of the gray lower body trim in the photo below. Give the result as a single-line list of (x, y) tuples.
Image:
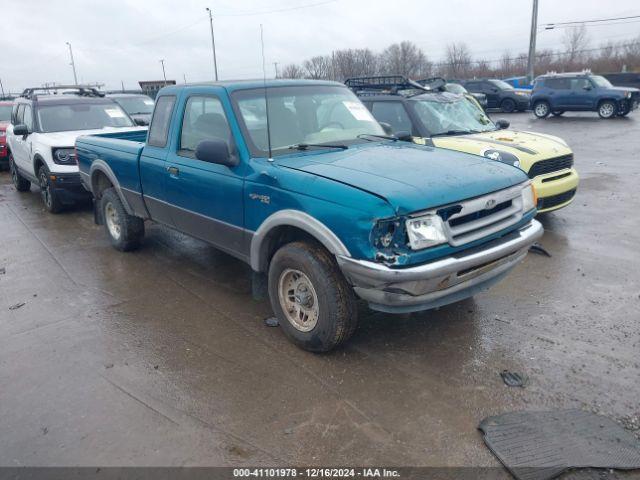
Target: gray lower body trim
[(224, 236), (440, 282), (136, 204)]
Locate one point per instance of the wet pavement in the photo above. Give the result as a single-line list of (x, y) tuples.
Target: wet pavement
[(161, 357)]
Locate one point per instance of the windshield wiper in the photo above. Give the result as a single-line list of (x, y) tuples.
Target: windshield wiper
[(385, 137), (305, 146), (454, 132)]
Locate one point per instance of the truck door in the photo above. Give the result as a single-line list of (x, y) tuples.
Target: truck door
[(582, 94), (153, 166), (206, 199)]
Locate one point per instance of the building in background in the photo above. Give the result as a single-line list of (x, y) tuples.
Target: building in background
[(151, 87)]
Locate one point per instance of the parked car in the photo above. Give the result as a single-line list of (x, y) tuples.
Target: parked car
[(438, 118), (5, 118), (44, 125), (138, 106), (315, 196), (519, 82), (480, 98), (575, 92), (499, 94)]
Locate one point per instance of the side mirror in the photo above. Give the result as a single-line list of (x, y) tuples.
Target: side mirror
[(388, 129), (587, 87), (494, 89), (502, 124), (21, 130), (215, 151), (140, 122), (404, 136)]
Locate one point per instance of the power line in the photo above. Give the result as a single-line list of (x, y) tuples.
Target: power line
[(267, 12), (553, 27), (593, 21)]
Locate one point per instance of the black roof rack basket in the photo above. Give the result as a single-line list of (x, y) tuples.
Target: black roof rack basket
[(82, 90), (376, 84)]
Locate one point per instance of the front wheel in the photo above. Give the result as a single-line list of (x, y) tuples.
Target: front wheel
[(508, 105), (314, 303), (607, 109), (541, 109), (49, 196), (21, 183), (125, 231)]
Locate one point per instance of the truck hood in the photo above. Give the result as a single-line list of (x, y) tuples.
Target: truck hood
[(409, 177), (527, 147), (68, 139), (624, 89)]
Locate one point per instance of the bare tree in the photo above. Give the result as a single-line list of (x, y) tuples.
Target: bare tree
[(292, 71), (354, 63), (406, 59), (575, 41), (319, 67), (458, 60)]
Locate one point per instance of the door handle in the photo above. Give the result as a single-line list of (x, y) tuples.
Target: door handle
[(173, 171)]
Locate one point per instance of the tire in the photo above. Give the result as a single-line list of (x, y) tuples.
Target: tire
[(607, 109), (50, 198), (125, 231), (557, 113), (21, 183), (541, 109), (508, 105), (305, 272)]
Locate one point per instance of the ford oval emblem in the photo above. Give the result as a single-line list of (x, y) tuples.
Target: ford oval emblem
[(490, 204)]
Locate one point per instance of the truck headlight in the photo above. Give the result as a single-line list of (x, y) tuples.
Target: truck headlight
[(529, 198), (64, 156), (425, 231)]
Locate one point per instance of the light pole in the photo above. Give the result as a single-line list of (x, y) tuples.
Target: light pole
[(73, 64), (532, 42), (213, 45), (275, 64), (164, 75)]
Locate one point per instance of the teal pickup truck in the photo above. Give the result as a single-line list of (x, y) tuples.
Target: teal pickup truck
[(312, 194)]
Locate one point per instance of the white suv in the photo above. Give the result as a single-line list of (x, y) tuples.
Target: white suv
[(44, 126)]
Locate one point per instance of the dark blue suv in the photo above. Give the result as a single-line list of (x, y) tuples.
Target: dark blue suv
[(574, 92)]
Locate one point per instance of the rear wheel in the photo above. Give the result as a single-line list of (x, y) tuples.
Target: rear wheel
[(541, 109), (21, 183), (607, 109), (508, 105), (557, 113), (49, 196), (125, 231), (314, 303)]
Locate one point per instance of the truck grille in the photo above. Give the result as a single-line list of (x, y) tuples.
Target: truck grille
[(482, 216), (551, 165)]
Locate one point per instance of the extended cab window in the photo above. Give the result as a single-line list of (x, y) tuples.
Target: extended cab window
[(394, 114), (204, 119), (159, 128)]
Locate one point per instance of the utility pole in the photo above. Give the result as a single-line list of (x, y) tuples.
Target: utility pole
[(213, 46), (122, 83), (73, 64), (1, 88), (185, 77), (532, 42), (164, 75), (275, 64)]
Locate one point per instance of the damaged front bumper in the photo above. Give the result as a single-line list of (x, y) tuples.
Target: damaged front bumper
[(444, 281)]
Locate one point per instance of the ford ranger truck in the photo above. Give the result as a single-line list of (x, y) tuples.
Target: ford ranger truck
[(311, 193)]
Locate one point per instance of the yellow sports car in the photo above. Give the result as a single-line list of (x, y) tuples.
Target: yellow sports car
[(446, 120)]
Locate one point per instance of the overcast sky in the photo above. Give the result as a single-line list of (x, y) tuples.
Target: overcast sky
[(123, 40)]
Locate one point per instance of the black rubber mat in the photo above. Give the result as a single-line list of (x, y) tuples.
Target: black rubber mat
[(542, 445)]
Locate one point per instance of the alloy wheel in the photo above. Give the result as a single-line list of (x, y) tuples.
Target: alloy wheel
[(298, 299)]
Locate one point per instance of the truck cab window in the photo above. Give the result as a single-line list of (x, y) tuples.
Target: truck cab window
[(394, 114), (203, 119), (160, 122)]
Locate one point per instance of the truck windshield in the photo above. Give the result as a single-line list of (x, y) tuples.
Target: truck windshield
[(601, 81), (303, 115), (459, 115), (5, 113), (81, 116), (136, 105)]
